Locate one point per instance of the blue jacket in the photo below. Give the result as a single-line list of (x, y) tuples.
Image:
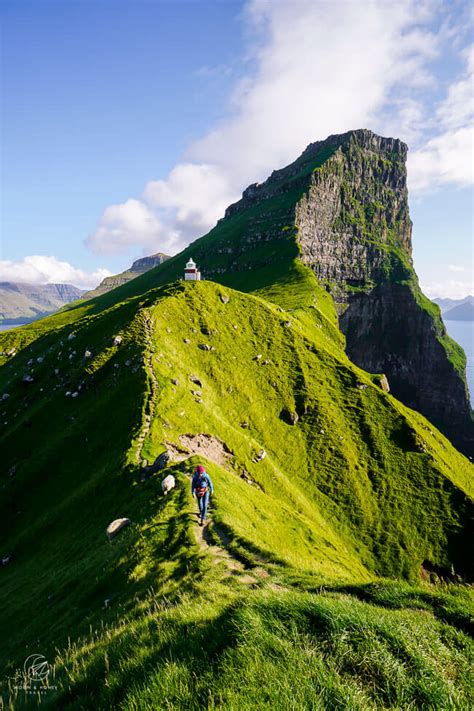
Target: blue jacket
[(205, 478)]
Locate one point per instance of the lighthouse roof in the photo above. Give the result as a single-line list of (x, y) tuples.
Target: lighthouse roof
[(190, 264)]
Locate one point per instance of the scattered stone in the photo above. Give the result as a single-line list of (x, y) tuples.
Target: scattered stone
[(187, 341), (245, 425), (289, 416), (266, 362), (168, 330), (75, 394), (257, 357), (196, 380), (224, 298), (28, 379), (168, 483), (116, 365), (71, 337), (260, 456), (30, 362), (116, 526), (246, 476), (287, 324), (117, 340), (68, 393), (5, 396), (361, 386), (273, 384), (175, 381), (205, 347), (197, 393), (87, 354), (383, 383), (206, 331), (56, 371), (193, 330), (321, 432), (40, 359), (12, 470), (7, 558), (11, 352), (235, 327)]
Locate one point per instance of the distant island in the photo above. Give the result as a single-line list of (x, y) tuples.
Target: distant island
[(457, 310)]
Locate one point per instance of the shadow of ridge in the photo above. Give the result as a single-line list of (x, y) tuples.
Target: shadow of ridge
[(197, 643)]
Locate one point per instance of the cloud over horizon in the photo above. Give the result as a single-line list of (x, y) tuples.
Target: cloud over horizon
[(353, 70), (40, 269)]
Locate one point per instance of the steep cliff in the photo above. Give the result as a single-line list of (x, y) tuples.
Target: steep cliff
[(347, 199)]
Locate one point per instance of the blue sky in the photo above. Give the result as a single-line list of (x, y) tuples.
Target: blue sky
[(127, 127)]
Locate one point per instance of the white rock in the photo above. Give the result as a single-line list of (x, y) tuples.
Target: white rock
[(117, 340), (71, 336), (116, 526), (87, 354)]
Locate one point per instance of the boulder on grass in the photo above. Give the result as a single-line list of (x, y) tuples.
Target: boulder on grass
[(116, 526)]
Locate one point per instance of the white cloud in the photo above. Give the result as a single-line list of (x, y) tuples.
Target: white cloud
[(316, 68), (128, 224), (193, 197), (38, 269), (448, 158), (458, 268), (449, 289)]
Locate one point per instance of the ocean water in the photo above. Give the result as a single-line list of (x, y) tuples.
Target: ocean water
[(463, 333)]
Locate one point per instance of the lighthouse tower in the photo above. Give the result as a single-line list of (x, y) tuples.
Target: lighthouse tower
[(191, 272)]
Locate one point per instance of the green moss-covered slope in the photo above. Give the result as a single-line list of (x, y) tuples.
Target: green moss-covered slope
[(356, 488)]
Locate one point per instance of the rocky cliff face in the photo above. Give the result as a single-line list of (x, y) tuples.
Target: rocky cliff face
[(346, 201)]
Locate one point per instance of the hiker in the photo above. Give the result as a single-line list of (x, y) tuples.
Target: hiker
[(202, 487)]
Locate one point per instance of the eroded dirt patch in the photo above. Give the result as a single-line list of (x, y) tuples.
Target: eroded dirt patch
[(205, 445)]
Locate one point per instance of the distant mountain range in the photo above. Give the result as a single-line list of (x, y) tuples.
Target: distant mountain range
[(26, 302), (21, 303), (457, 309), (140, 266)]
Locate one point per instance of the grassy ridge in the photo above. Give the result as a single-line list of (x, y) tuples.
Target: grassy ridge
[(348, 493)]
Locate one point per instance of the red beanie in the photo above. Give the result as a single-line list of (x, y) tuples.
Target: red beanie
[(200, 469)]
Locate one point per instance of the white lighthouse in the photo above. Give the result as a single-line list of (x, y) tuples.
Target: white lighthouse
[(191, 272)]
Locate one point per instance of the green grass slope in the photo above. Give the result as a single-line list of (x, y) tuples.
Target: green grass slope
[(359, 487)]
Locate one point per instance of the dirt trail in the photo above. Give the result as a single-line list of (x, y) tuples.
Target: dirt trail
[(153, 394), (220, 554)]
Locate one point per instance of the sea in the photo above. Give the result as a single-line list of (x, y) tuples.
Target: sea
[(463, 333)]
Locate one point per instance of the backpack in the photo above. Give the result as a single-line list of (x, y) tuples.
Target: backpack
[(201, 486)]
